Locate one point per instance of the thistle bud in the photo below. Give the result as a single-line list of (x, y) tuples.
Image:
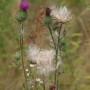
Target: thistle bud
[(17, 56), (21, 16), (63, 41), (47, 20)]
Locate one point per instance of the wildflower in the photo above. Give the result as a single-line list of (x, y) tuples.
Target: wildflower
[(39, 80), (27, 74), (31, 65), (24, 5), (32, 86), (26, 70), (21, 15), (61, 14)]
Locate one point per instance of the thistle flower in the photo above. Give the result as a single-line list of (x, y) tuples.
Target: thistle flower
[(44, 59), (24, 5), (61, 14)]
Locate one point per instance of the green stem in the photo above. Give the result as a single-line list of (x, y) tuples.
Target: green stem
[(58, 43), (57, 49), (52, 36), (21, 46), (35, 76), (44, 84), (22, 52)]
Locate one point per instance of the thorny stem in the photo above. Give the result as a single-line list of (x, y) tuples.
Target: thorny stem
[(52, 36), (35, 75), (44, 84), (21, 47), (58, 43), (57, 49), (58, 79)]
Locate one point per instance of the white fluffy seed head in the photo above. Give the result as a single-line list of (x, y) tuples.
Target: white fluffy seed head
[(44, 59), (61, 14), (32, 52)]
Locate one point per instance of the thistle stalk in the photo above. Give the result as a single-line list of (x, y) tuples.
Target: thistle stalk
[(22, 52), (57, 52), (52, 36), (56, 47), (35, 76), (44, 84), (21, 47)]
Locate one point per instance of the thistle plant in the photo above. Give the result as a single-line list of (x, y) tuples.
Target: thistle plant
[(44, 62), (55, 19), (43, 59), (21, 16)]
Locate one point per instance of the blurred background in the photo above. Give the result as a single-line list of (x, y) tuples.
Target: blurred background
[(76, 58)]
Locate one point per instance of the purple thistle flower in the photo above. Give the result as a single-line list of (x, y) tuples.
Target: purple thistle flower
[(24, 5)]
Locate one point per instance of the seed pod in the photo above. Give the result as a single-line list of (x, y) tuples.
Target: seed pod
[(21, 16), (63, 41), (17, 56)]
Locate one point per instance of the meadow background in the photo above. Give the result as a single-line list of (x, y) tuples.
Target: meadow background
[(76, 59)]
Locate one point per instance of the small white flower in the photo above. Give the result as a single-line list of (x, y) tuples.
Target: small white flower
[(27, 74), (41, 82), (32, 86), (38, 79), (26, 70), (31, 65), (61, 14)]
